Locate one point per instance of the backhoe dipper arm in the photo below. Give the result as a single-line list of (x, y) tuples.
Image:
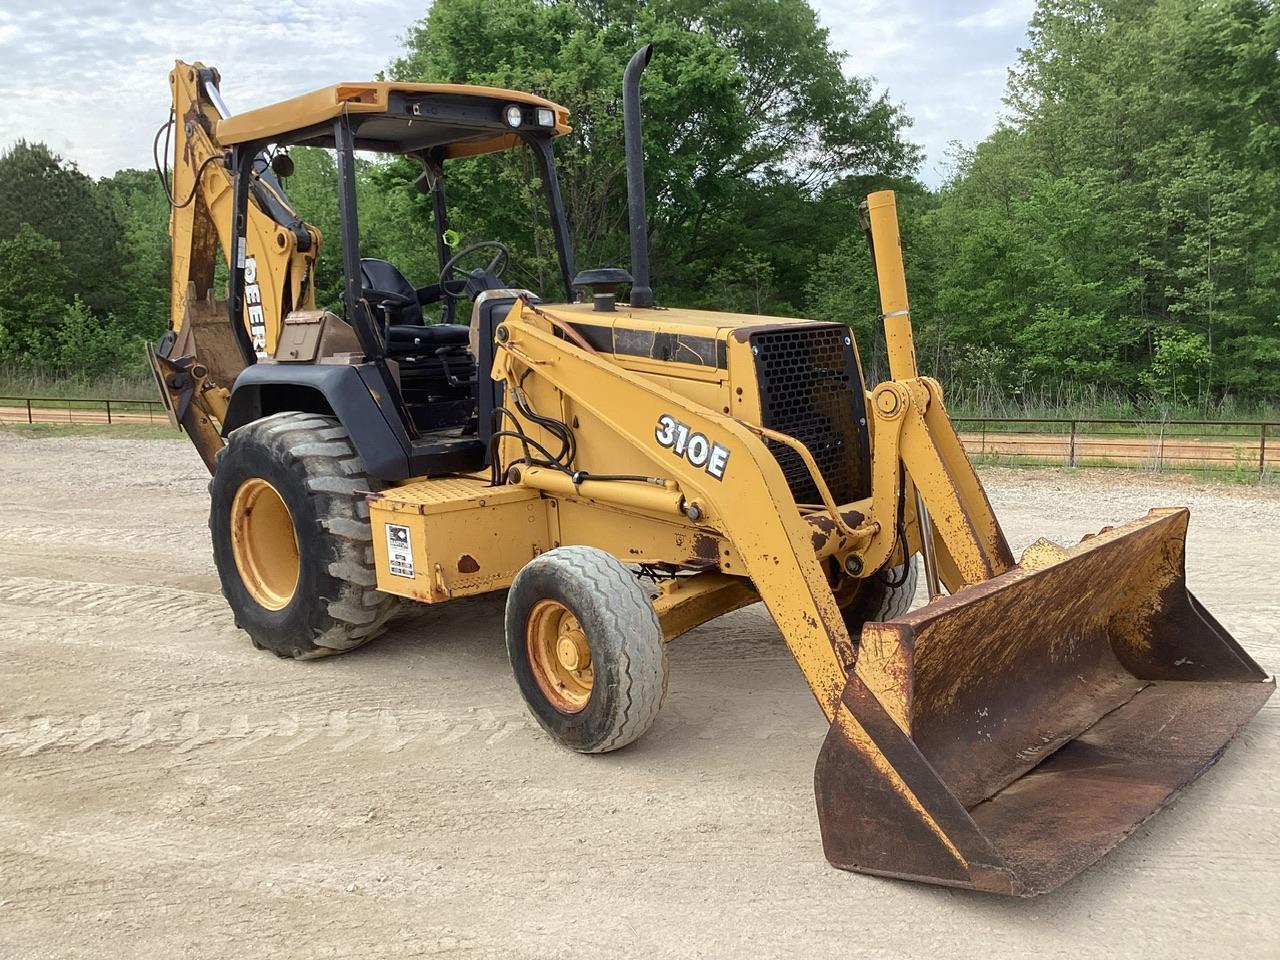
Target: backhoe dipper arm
[(208, 345), (279, 251)]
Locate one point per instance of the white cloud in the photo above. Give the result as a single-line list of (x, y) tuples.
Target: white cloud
[(89, 77), (944, 62), (999, 16)]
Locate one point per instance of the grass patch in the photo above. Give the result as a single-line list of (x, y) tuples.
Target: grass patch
[(1242, 472), (15, 382), (126, 431), (1067, 400)]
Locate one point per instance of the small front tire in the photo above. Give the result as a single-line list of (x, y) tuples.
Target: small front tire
[(586, 648)]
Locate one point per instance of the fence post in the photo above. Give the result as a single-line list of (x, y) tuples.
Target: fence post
[(29, 420), (1262, 450), (108, 402), (1071, 459)]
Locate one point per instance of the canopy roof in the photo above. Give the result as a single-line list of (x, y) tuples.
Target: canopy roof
[(398, 118)]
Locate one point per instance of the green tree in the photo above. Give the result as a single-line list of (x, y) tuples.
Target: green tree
[(748, 116), (1131, 207), (139, 204), (33, 277), (38, 188), (85, 346)]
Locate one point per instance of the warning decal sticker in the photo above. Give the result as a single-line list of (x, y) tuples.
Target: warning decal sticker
[(399, 551)]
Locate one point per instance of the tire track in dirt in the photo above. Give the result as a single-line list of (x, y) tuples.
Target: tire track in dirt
[(229, 734), (182, 608), (154, 536)]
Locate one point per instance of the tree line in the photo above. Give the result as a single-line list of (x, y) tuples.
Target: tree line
[(1119, 231)]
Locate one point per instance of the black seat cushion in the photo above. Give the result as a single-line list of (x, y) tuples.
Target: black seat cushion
[(383, 275)]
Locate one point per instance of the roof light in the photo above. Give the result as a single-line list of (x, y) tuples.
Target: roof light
[(513, 116), (546, 118)]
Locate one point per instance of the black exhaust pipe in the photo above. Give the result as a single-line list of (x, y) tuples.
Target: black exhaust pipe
[(641, 292)]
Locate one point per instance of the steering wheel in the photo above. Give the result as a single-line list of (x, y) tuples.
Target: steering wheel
[(494, 267)]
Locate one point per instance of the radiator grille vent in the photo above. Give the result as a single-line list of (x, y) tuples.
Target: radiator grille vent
[(810, 389)]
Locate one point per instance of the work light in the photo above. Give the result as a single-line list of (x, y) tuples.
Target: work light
[(546, 118), (512, 115)]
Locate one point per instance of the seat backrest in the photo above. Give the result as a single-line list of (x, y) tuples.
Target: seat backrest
[(384, 275)]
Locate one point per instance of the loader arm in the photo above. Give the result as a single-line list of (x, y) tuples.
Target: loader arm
[(750, 505), (1072, 687)]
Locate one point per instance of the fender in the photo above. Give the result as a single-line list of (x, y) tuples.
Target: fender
[(347, 391)]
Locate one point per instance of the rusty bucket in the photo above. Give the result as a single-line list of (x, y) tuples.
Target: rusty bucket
[(1006, 737)]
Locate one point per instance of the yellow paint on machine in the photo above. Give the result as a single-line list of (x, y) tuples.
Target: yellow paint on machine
[(1002, 737), (464, 537)]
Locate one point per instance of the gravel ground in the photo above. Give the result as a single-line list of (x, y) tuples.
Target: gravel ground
[(167, 791)]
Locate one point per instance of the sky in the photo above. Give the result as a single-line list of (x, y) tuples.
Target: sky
[(89, 77)]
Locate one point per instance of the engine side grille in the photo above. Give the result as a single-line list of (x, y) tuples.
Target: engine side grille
[(811, 389)]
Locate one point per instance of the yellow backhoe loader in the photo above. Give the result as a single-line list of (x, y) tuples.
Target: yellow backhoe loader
[(628, 472)]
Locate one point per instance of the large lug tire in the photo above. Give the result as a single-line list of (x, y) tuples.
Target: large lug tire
[(292, 540), (875, 601), (586, 648)]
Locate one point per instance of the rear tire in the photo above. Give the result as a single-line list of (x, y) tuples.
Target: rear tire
[(318, 595), (586, 648)]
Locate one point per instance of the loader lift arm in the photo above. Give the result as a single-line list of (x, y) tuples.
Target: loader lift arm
[(1047, 684), (753, 509)]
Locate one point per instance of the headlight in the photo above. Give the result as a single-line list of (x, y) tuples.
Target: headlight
[(513, 116), (546, 118)]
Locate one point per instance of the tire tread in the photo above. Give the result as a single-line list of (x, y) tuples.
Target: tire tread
[(334, 479)]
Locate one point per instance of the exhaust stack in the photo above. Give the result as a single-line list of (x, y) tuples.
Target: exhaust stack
[(641, 292)]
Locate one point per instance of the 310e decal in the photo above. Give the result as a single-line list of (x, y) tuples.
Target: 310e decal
[(694, 447)]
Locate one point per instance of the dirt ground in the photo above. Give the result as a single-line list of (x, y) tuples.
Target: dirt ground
[(167, 791)]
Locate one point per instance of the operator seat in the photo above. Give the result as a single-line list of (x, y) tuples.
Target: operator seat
[(408, 331)]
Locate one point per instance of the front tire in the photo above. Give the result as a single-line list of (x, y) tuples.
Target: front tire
[(586, 648), (292, 540)]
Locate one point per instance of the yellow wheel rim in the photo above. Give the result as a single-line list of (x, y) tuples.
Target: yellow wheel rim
[(559, 656), (264, 544)]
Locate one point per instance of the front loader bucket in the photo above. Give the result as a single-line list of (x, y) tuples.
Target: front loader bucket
[(1006, 737)]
